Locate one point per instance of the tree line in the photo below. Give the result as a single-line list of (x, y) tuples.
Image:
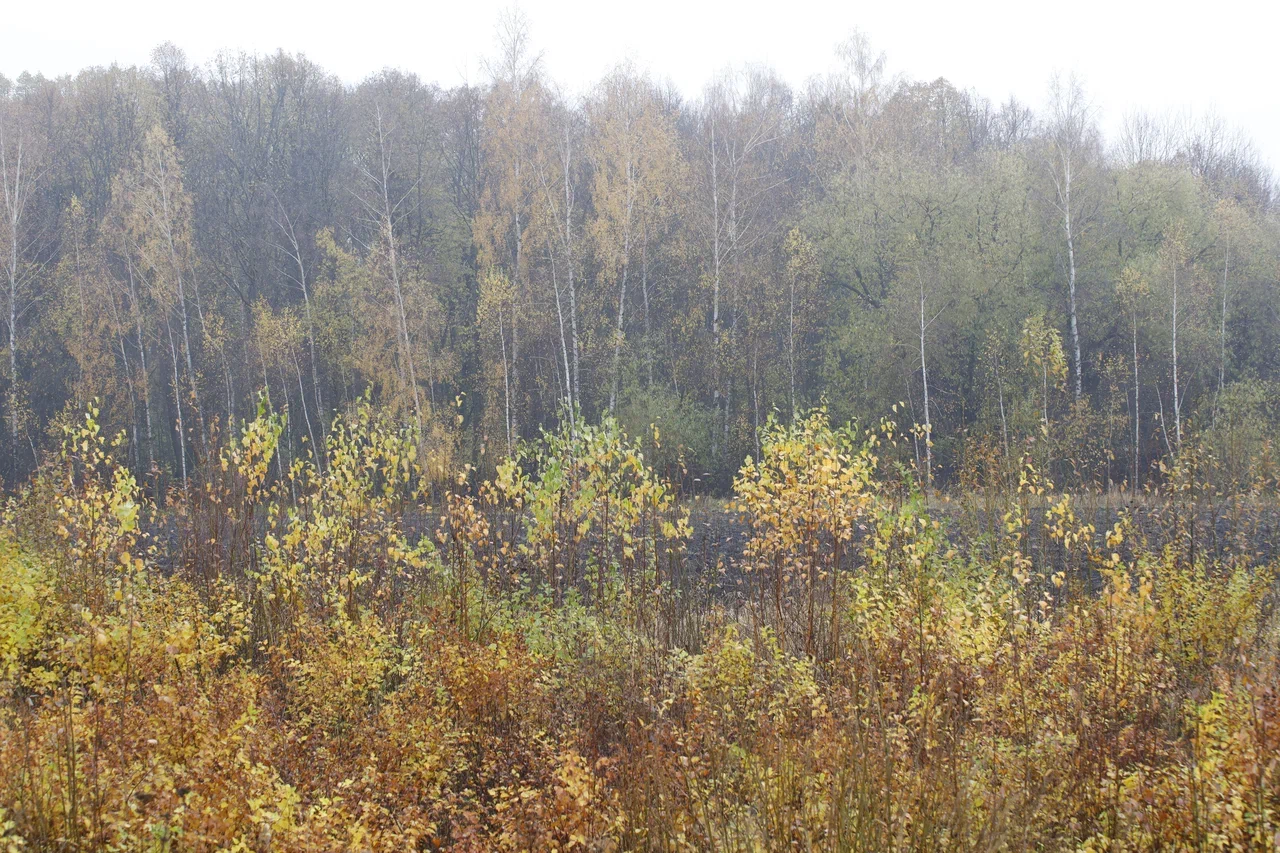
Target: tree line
[(488, 260)]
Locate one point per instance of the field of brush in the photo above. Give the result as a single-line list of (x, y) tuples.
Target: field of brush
[(570, 654)]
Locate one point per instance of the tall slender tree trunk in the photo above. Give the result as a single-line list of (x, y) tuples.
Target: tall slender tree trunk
[(13, 344), (734, 308), (755, 396), (1004, 422), (1222, 334), (564, 345), (1137, 413), (715, 285), (568, 249), (644, 290), (1164, 422), (617, 339), (135, 439), (15, 194), (84, 317), (291, 233), (1071, 281), (924, 377), (1075, 329), (1177, 398), (406, 342), (177, 401), (506, 376), (622, 291), (180, 285), (791, 341), (231, 392), (511, 375), (1044, 369), (715, 241), (136, 307), (302, 398), (388, 234)]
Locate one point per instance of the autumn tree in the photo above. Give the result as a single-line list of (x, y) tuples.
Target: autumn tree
[(636, 169), (157, 222), (1072, 149), (20, 173)]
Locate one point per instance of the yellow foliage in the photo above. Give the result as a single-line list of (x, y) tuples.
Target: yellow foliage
[(538, 672)]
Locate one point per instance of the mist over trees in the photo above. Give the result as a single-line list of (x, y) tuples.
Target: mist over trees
[(489, 260)]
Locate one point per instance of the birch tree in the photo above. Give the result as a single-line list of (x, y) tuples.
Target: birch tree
[(1072, 142), (634, 157), (742, 122), (20, 173), (556, 166), (157, 220), (1235, 240), (1132, 289), (383, 203), (292, 248), (1173, 255), (509, 201)]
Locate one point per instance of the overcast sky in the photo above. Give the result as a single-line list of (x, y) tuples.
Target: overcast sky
[(1213, 55)]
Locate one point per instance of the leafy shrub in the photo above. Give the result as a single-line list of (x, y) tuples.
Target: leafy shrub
[(306, 666)]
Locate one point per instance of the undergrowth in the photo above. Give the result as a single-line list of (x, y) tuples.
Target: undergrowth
[(277, 660)]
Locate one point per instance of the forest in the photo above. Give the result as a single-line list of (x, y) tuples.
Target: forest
[(859, 466), (482, 260)]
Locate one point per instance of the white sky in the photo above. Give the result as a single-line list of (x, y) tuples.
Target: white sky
[(1213, 55)]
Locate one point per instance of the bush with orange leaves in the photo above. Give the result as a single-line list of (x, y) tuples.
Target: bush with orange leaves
[(541, 671)]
